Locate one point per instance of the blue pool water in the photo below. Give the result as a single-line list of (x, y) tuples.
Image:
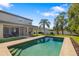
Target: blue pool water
[(46, 46)]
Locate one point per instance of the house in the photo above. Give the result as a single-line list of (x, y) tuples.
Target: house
[(38, 30), (35, 29), (14, 25)]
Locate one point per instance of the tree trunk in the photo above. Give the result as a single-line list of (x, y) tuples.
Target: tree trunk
[(44, 29), (57, 31), (62, 30)]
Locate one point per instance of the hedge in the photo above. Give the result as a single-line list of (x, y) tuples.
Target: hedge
[(34, 35), (2, 40)]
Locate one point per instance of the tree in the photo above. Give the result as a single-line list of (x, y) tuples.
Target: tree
[(73, 15), (43, 23), (60, 22), (56, 26)]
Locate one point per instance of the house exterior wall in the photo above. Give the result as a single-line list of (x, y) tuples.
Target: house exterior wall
[(14, 21), (1, 30), (36, 30), (23, 30), (60, 32)]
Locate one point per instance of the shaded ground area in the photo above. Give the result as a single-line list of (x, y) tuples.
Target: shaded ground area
[(76, 46)]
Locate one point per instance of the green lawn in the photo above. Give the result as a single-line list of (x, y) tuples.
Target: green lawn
[(75, 38)]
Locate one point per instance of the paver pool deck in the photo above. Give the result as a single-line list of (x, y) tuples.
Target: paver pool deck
[(66, 50)]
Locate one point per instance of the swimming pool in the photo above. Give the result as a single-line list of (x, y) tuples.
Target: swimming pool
[(45, 46)]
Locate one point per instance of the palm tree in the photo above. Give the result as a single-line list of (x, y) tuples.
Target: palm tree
[(56, 27), (43, 23), (60, 22)]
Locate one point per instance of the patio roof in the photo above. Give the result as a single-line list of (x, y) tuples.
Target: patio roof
[(14, 15)]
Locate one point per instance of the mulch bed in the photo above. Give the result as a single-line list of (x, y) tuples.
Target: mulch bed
[(76, 46)]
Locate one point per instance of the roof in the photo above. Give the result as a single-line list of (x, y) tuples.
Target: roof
[(33, 26), (14, 15)]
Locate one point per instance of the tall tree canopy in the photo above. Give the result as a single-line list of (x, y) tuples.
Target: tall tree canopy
[(73, 15)]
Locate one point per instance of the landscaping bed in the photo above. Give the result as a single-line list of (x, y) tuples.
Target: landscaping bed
[(2, 40), (34, 35), (76, 46)]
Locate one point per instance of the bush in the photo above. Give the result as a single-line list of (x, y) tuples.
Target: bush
[(52, 33), (36, 35), (2, 40), (41, 33)]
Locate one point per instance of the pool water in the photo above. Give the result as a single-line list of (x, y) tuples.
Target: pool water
[(46, 46)]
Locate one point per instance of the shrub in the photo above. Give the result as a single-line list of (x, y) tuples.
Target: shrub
[(41, 33), (36, 35), (10, 39), (52, 33)]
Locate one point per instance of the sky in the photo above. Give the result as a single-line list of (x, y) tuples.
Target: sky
[(36, 11)]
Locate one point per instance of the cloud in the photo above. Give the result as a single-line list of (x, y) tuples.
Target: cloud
[(6, 4), (49, 14), (54, 11), (58, 9)]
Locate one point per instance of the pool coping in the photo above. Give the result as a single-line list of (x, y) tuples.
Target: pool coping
[(4, 51), (67, 48)]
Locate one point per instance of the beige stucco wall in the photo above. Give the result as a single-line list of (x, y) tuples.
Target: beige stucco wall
[(26, 27), (37, 29), (1, 30)]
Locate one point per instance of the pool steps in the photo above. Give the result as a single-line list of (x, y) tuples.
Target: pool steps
[(14, 51), (11, 49), (18, 52)]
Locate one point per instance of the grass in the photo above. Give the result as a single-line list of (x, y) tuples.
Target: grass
[(75, 38)]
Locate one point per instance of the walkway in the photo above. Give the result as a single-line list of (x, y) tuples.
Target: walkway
[(4, 51), (3, 46), (67, 48)]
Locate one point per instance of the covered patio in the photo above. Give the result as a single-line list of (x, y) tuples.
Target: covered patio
[(15, 30)]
